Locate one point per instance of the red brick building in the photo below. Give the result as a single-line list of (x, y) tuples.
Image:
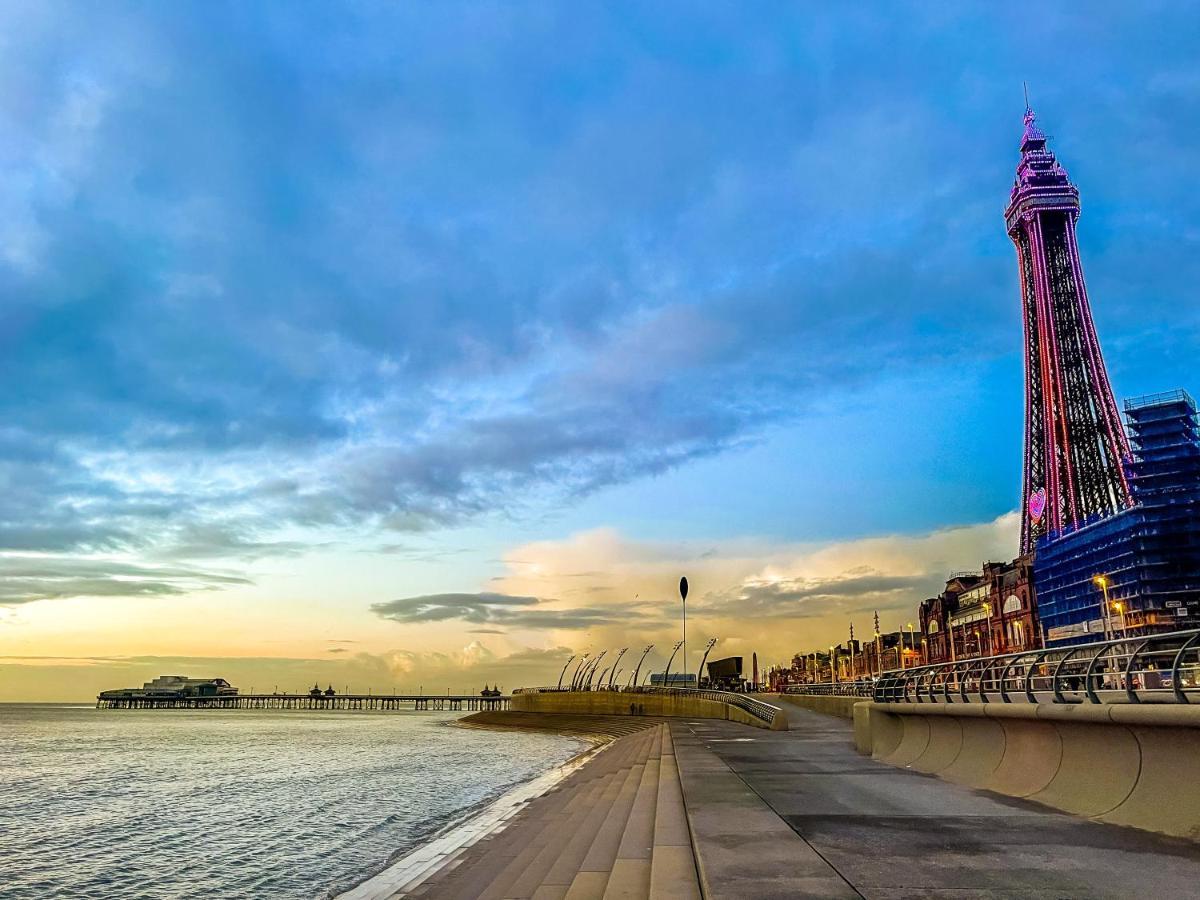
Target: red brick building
[(985, 613)]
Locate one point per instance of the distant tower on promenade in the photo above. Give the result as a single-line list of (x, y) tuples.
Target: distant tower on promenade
[(1075, 447)]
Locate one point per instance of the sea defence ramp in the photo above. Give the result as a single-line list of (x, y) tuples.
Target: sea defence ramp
[(653, 701)]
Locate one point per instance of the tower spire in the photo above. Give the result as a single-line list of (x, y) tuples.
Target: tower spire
[(1075, 445)]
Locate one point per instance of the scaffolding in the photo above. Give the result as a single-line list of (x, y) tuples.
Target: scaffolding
[(1136, 572)]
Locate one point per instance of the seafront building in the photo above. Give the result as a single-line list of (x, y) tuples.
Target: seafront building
[(983, 613), (1135, 572), (173, 687)]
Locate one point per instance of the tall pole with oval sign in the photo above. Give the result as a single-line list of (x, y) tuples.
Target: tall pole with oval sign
[(683, 591)]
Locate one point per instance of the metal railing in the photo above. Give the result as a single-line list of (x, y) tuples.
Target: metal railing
[(860, 688), (764, 712), (1160, 668)]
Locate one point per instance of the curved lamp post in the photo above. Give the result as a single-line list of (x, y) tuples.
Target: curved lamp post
[(704, 658), (613, 670), (564, 672), (592, 671), (634, 680), (671, 659), (575, 677)]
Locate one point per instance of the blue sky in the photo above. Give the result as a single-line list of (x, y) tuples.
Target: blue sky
[(287, 287)]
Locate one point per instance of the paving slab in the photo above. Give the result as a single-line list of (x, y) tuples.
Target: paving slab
[(889, 834)]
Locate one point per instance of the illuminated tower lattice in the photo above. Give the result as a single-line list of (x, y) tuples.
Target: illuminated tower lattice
[(1075, 447)]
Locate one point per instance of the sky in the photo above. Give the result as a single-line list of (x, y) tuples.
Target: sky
[(421, 346)]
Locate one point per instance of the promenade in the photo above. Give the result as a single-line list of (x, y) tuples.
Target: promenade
[(689, 808), (801, 814)]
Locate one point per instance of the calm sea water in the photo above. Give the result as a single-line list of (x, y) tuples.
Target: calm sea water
[(239, 803)]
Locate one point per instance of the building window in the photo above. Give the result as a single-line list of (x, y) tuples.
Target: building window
[(1012, 604)]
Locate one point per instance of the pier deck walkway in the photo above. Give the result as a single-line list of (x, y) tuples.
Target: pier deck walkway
[(800, 814)]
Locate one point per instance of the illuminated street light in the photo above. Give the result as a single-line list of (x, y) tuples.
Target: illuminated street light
[(1102, 581), (1120, 607)]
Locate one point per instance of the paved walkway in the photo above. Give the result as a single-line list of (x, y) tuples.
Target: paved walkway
[(801, 814)]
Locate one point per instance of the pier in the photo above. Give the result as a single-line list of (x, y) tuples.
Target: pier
[(379, 702)]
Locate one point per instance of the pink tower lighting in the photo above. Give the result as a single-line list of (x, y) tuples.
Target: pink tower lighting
[(1076, 450)]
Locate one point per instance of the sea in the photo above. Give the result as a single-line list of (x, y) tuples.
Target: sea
[(237, 803)]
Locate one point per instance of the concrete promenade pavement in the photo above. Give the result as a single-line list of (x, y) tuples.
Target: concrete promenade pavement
[(801, 814)]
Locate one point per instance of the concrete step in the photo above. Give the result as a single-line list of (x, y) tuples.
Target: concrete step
[(630, 876), (501, 845), (595, 835), (491, 872), (541, 828), (592, 877), (567, 866), (522, 876), (672, 862), (532, 874)]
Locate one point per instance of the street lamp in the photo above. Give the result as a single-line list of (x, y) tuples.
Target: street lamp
[(671, 659), (1102, 581), (634, 680), (613, 672), (591, 673), (575, 676), (683, 592), (912, 637), (564, 672), (1120, 608), (707, 647), (987, 611)]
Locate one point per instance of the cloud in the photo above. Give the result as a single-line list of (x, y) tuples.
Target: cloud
[(26, 579), (271, 284), (502, 610), (755, 595)]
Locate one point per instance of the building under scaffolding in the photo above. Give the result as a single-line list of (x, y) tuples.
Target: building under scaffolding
[(1138, 571)]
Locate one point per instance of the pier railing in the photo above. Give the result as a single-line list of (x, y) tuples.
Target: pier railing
[(381, 702), (1159, 668)]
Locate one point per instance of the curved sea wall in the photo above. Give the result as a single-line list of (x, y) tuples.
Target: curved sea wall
[(1127, 764), (842, 707), (615, 703)]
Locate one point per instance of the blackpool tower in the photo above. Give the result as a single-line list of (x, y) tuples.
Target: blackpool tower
[(1075, 447)]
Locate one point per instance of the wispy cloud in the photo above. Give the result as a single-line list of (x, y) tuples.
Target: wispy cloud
[(503, 610), (25, 579)]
